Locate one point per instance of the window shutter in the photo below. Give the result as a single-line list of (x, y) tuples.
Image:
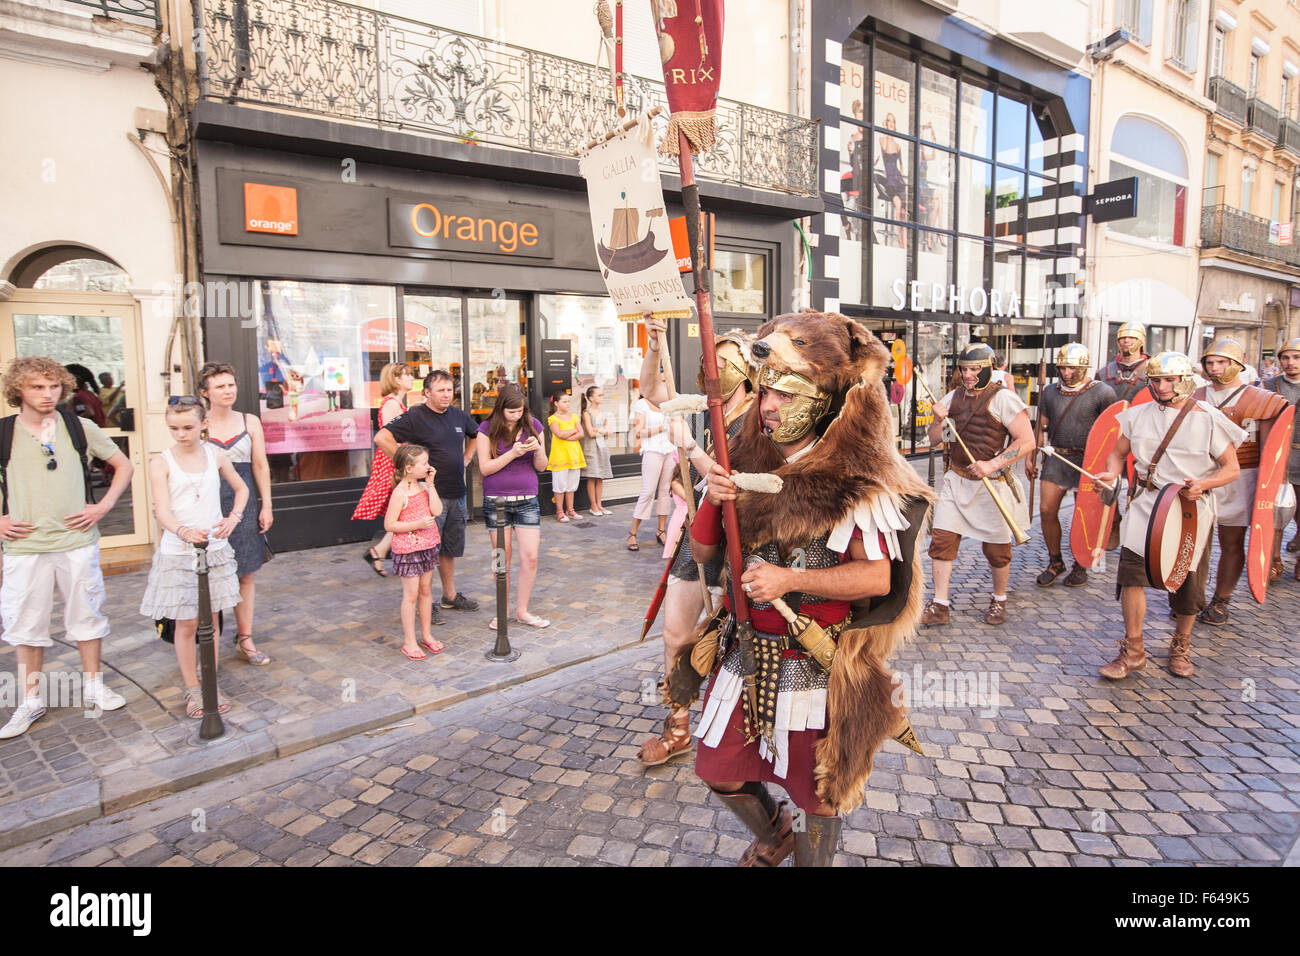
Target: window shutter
[(1144, 22), (1191, 46)]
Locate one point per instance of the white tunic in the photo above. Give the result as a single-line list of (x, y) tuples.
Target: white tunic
[(1203, 436), (964, 506), (1235, 500)]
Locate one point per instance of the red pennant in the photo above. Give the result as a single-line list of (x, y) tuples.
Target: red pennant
[(690, 47)]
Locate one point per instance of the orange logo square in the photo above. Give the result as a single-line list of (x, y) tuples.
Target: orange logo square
[(271, 209)]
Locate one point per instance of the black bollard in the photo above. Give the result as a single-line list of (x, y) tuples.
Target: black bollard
[(502, 652), (211, 727)]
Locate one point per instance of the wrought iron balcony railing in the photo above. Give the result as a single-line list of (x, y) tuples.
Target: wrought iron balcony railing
[(1229, 228), (1261, 119), (1289, 135), (348, 63), (136, 11), (1229, 99)]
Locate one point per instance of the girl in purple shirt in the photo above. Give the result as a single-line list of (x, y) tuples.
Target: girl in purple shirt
[(510, 454)]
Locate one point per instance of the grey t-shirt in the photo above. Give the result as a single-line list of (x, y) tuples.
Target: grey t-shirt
[(1070, 415), (44, 497)]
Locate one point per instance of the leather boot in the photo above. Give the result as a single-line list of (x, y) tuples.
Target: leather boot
[(936, 613), (1180, 658), (997, 613), (1132, 657), (771, 824), (817, 843)]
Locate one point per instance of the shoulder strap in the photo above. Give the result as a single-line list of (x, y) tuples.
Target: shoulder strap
[(1164, 442), (77, 432), (6, 447)]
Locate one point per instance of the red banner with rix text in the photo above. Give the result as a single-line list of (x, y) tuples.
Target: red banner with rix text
[(690, 48)]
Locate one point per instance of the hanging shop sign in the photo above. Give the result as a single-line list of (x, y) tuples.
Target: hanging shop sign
[(1116, 199), (272, 209), (458, 224)]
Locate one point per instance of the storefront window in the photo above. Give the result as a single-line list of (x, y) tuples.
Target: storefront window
[(605, 354), (739, 282), (891, 259), (434, 329), (318, 344), (891, 174), (497, 350), (975, 187), (934, 202), (938, 107), (893, 90), (1009, 205), (1012, 117), (976, 119)]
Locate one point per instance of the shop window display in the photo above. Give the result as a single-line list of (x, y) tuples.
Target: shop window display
[(605, 353), (739, 282), (317, 343)]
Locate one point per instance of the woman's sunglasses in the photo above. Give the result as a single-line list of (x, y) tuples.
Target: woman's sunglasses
[(185, 401)]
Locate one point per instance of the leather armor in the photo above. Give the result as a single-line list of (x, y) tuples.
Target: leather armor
[(1253, 404), (982, 433)]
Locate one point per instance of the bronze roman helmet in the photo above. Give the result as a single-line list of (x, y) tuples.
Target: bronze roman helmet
[(1230, 349), (1134, 330), (1075, 357), (1292, 345), (978, 355), (737, 362), (1172, 363), (809, 405)]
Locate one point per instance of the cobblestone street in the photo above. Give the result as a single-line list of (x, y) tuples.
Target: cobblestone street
[(1067, 769)]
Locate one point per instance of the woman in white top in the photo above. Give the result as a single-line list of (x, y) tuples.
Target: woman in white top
[(650, 426)]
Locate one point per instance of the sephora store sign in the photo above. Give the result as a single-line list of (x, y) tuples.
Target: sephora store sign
[(917, 296)]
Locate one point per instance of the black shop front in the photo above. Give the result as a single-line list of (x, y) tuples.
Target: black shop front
[(321, 269)]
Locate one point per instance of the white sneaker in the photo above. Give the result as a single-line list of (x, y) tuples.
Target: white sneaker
[(105, 699), (24, 715)]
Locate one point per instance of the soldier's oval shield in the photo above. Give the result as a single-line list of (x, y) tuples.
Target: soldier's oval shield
[(1273, 459), (1090, 526)]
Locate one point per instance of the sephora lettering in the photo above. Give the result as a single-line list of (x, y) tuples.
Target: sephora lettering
[(918, 296)]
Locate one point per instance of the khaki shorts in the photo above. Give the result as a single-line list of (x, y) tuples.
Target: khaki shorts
[(1188, 599)]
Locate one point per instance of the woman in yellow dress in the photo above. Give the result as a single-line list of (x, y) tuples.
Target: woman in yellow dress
[(566, 461)]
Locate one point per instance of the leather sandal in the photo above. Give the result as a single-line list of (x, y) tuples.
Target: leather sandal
[(256, 658), (631, 542), (1053, 571), (771, 823), (675, 740), (1077, 577)]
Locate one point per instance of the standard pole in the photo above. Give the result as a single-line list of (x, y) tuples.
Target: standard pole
[(502, 652), (211, 727)]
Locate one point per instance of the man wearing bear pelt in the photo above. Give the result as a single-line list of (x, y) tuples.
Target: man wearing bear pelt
[(834, 550), (994, 423)]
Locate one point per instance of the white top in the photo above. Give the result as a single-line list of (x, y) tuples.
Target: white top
[(1204, 435), (658, 442), (196, 503)]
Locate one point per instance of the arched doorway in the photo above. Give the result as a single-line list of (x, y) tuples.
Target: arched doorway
[(72, 304)]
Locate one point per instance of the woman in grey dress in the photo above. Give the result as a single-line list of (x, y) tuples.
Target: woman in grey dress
[(595, 449), (239, 435)]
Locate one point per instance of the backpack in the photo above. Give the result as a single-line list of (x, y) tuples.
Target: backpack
[(75, 431)]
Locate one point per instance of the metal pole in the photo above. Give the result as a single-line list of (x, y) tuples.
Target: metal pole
[(502, 652), (211, 726)]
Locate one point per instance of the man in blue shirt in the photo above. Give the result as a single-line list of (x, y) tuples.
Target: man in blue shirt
[(448, 434)]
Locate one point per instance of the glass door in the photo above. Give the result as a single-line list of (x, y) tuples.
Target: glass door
[(95, 336), (433, 330)]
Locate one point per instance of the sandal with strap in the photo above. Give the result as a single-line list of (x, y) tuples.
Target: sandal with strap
[(194, 703), (255, 657), (674, 741), (661, 537), (631, 542)]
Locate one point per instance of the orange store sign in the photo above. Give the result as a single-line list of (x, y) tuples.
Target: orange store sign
[(272, 209), (466, 225)]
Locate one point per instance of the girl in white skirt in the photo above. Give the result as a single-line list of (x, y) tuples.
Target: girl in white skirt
[(187, 504)]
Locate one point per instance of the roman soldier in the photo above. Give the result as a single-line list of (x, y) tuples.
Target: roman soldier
[(1287, 384), (684, 600), (799, 694), (993, 422), (1126, 372), (1069, 408), (1174, 439), (1253, 409)]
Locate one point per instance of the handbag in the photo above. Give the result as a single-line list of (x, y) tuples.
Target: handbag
[(166, 628)]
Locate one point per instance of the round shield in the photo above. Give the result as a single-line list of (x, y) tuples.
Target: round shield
[(1171, 539)]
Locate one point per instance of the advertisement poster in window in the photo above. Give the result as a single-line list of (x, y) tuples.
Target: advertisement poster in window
[(310, 355)]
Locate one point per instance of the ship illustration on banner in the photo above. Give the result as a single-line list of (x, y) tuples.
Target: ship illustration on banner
[(625, 253)]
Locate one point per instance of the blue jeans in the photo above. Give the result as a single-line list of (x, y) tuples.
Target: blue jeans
[(526, 513)]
